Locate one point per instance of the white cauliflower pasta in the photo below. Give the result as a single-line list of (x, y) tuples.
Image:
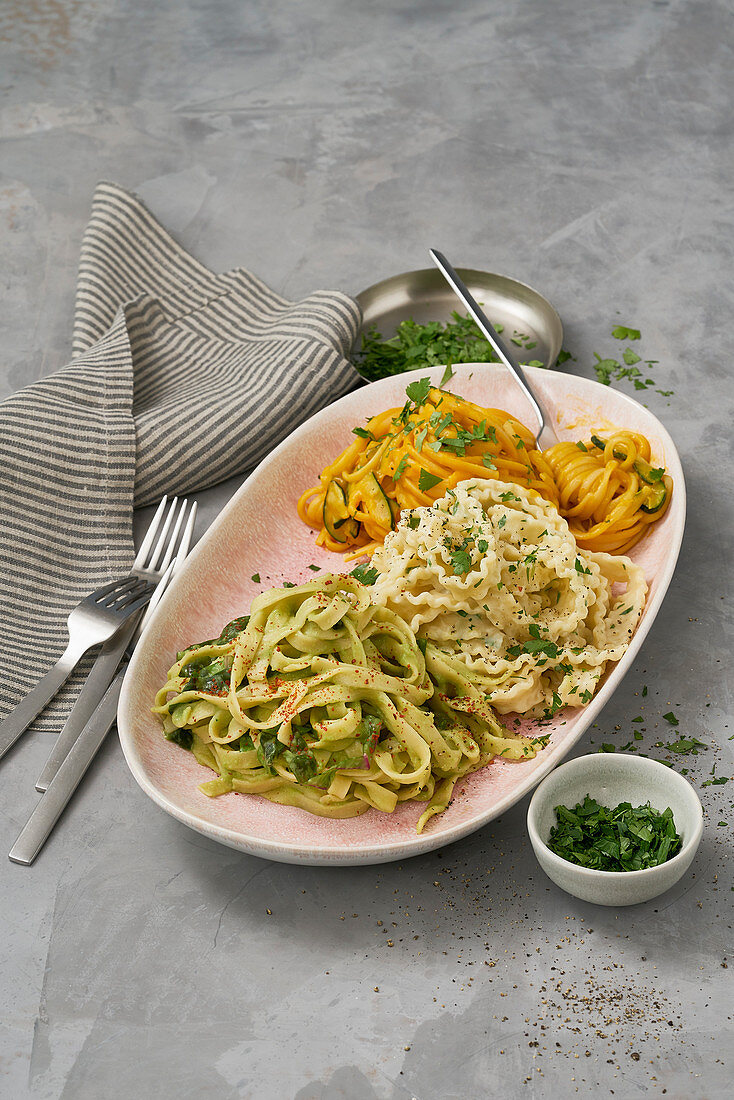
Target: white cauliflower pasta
[(491, 579)]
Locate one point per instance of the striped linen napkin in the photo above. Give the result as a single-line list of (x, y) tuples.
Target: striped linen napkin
[(180, 379)]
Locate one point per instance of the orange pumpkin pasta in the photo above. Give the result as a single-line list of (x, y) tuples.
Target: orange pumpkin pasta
[(407, 458), (609, 492), (411, 457)]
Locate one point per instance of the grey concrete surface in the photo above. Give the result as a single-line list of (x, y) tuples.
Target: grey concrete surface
[(584, 148)]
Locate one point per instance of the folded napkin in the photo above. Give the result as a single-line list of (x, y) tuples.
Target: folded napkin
[(180, 379)]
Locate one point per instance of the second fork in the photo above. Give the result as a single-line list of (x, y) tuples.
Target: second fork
[(94, 620), (152, 560)]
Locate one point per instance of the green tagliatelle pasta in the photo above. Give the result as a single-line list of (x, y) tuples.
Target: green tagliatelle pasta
[(321, 699)]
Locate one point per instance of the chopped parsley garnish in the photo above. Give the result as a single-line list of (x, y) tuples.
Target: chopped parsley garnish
[(427, 481), (579, 567), (365, 573), (623, 332), (362, 433), (418, 391), (448, 374), (555, 706), (686, 746), (612, 370), (400, 468), (457, 341), (604, 369), (461, 562), (626, 838), (671, 718), (535, 644), (255, 577), (315, 568)]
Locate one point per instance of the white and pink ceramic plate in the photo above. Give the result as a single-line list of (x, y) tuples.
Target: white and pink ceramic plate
[(259, 533)]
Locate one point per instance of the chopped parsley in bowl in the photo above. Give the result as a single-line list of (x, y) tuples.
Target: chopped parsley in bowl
[(615, 829), (625, 838)]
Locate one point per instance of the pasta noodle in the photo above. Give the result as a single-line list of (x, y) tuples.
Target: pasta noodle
[(321, 699), (411, 457), (492, 578), (608, 490)]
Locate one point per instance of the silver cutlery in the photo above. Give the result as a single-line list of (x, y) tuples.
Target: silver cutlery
[(150, 563), (69, 774), (545, 436), (96, 619), (73, 767)]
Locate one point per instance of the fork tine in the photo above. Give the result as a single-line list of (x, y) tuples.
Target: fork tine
[(149, 535), (169, 569), (106, 596), (140, 602), (113, 586), (142, 591), (155, 599), (174, 536), (158, 550), (186, 537), (123, 594)]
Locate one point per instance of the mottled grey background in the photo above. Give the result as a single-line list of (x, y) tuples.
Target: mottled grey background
[(584, 148)]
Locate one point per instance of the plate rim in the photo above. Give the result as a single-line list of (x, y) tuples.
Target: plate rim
[(391, 850)]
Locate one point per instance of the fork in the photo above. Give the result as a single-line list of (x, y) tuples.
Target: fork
[(151, 563), (73, 767), (546, 435), (94, 620)]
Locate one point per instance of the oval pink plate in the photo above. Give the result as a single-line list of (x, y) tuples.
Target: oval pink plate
[(259, 533)]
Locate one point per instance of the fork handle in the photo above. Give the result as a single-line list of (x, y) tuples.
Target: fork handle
[(462, 292), (96, 685), (20, 718), (68, 777)]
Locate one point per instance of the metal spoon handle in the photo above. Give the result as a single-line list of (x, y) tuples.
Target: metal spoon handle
[(462, 292)]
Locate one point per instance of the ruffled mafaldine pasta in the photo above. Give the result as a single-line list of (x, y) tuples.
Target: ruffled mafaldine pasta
[(492, 579), (321, 699)]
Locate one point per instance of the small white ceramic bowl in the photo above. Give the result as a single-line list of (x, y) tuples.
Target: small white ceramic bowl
[(612, 778)]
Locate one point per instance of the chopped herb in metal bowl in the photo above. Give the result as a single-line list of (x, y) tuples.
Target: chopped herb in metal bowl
[(627, 838), (414, 345)]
